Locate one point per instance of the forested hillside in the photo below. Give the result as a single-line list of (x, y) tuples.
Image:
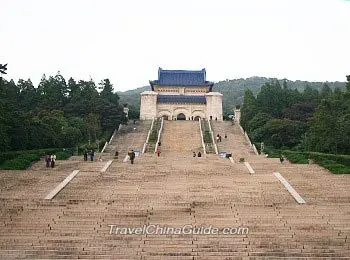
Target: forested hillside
[(56, 113), (233, 90), (285, 118)]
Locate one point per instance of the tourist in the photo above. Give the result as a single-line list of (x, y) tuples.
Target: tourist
[(158, 152), (85, 155), (116, 155), (48, 160), (92, 154), (194, 154), (281, 158), (53, 160), (220, 138), (132, 156), (199, 154), (159, 143), (100, 159), (225, 136)]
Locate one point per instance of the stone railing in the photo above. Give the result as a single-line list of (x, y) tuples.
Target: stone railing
[(212, 138), (248, 140), (159, 134), (149, 133), (202, 138), (110, 140)]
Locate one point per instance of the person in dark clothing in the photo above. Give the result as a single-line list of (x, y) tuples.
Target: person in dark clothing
[(132, 157), (85, 155), (92, 154), (199, 154), (281, 159), (48, 160), (194, 154)]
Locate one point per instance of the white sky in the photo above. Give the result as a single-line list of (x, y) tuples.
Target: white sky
[(127, 40)]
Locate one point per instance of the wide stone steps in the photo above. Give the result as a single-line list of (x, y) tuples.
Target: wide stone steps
[(235, 143), (132, 137), (181, 137), (175, 190)]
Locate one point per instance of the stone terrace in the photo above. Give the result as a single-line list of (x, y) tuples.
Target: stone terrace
[(173, 190)]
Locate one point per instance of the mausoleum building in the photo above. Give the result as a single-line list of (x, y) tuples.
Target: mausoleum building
[(181, 95)]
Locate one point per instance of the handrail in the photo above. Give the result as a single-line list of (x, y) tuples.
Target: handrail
[(248, 140), (212, 138), (202, 138), (114, 133), (159, 133), (104, 147), (149, 133)]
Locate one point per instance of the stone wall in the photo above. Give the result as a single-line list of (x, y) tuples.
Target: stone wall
[(148, 107), (214, 106)]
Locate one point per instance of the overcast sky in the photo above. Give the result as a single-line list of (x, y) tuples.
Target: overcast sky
[(127, 40)]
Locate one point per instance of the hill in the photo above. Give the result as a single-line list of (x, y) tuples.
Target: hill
[(233, 90)]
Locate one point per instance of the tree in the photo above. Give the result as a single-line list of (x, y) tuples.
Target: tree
[(269, 99), (283, 132), (249, 108), (301, 111), (325, 91)]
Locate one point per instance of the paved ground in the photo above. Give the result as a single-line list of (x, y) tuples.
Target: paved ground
[(175, 191)]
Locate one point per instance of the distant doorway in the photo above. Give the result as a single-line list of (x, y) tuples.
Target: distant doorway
[(181, 116), (197, 118), (165, 117)]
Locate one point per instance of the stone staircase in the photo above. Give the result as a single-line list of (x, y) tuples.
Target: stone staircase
[(130, 137), (235, 143), (181, 137), (175, 190)]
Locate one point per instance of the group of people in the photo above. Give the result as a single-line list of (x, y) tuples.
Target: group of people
[(198, 155), (50, 160), (91, 153), (218, 137)]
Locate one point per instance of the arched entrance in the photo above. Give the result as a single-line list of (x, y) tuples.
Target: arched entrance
[(181, 116)]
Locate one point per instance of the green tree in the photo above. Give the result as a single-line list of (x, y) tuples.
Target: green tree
[(249, 108), (269, 99)]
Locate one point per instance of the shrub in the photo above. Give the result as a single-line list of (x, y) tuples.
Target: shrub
[(207, 137), (16, 164), (296, 157), (20, 160), (63, 155)]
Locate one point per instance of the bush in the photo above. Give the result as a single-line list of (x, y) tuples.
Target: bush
[(207, 137), (338, 164), (296, 157), (16, 164), (20, 160), (63, 155), (29, 157)]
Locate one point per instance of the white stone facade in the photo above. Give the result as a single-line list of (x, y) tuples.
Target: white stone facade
[(183, 101), (211, 110)]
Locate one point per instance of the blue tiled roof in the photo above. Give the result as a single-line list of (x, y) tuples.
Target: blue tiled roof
[(182, 78), (181, 99)]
